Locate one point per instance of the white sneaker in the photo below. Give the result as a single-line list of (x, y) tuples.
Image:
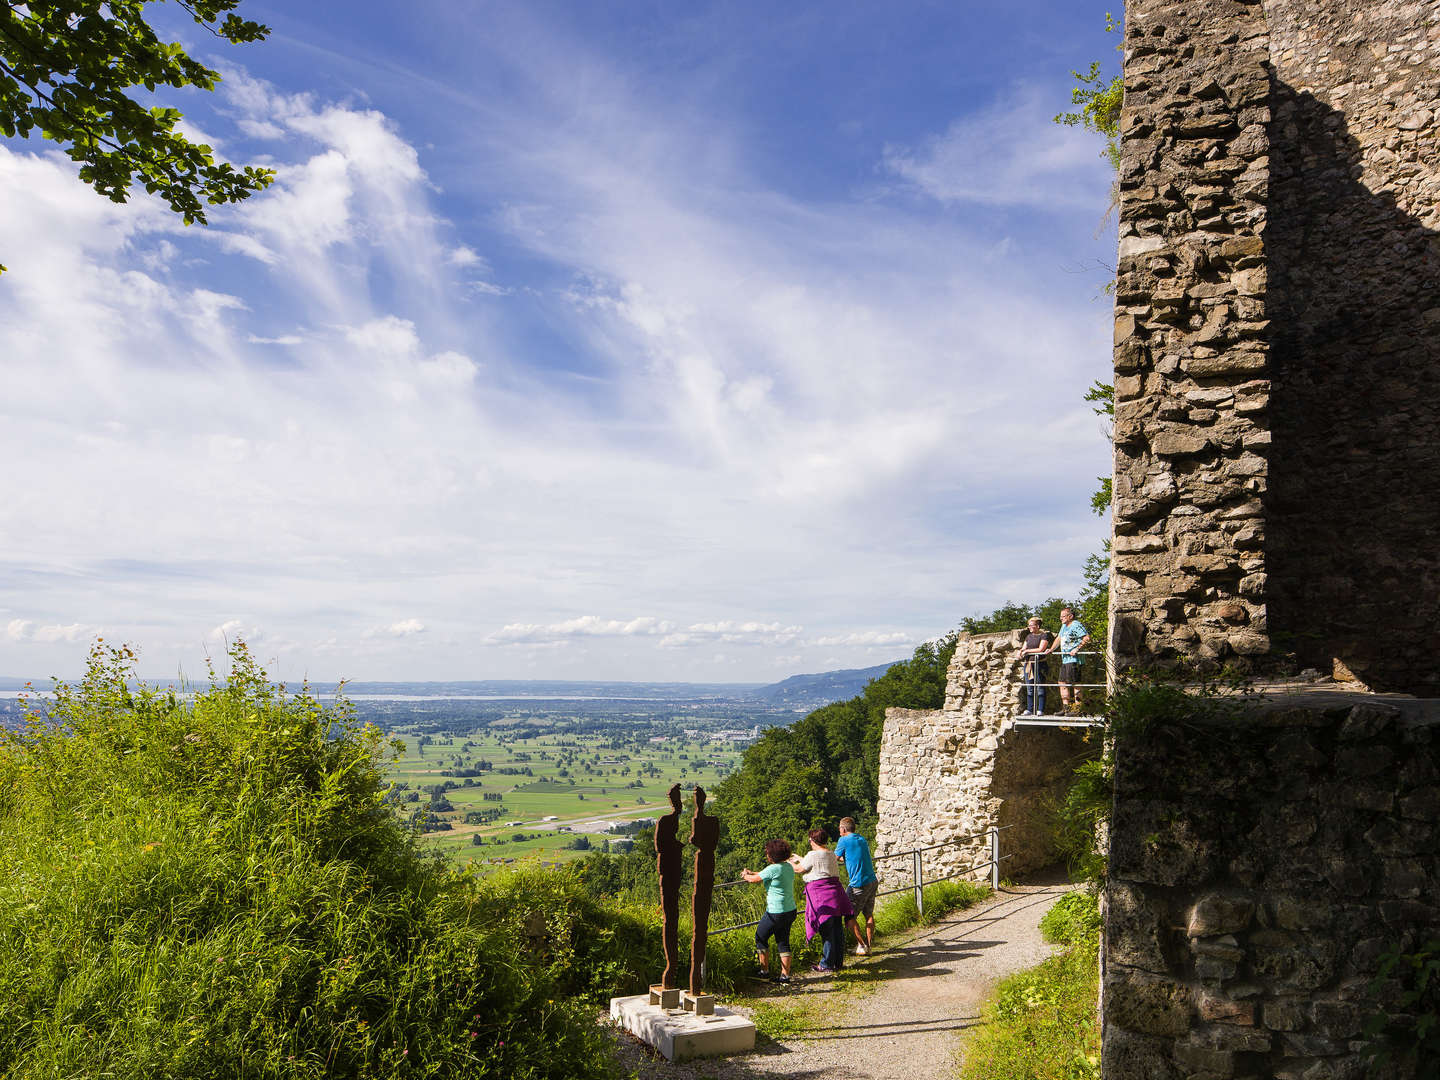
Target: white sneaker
[(861, 950)]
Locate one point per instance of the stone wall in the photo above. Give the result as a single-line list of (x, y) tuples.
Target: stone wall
[(1261, 863), (1277, 337), (953, 772)]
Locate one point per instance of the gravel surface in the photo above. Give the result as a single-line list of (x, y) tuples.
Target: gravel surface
[(900, 1013)]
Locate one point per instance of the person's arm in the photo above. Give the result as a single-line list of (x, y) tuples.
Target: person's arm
[(750, 876)]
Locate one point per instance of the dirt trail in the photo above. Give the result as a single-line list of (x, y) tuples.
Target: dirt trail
[(912, 1002)]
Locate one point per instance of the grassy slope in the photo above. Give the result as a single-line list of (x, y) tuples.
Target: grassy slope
[(1041, 1024)]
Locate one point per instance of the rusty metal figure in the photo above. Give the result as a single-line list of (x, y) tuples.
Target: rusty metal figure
[(705, 836), (668, 852)]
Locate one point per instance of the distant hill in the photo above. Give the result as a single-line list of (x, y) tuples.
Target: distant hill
[(812, 691)]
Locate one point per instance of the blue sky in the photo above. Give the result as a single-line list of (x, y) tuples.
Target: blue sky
[(645, 341)]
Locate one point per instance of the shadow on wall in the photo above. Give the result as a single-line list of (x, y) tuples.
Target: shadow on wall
[(1353, 506), (1033, 771)]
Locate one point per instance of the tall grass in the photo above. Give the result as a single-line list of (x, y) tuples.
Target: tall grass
[(216, 889), (1041, 1024)]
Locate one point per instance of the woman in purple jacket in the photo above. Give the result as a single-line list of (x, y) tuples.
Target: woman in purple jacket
[(826, 905)]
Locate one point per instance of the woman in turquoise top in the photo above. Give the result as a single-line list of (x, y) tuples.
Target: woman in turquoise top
[(779, 881)]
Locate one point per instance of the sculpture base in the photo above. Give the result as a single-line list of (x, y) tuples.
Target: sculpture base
[(699, 1004), (667, 997), (679, 1035)]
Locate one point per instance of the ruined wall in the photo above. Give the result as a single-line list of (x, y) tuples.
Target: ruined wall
[(1277, 337), (1260, 865), (955, 771)]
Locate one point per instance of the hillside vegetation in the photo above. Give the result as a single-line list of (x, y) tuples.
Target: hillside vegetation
[(216, 888)]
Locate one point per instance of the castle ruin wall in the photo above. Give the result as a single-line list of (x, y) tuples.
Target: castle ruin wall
[(1277, 338), (949, 774)]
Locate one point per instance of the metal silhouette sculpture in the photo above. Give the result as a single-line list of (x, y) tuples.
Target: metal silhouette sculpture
[(705, 835), (668, 852)]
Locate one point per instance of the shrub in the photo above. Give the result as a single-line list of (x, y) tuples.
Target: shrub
[(1073, 920), (217, 888)]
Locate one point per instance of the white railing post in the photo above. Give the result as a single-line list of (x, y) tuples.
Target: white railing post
[(994, 858), (919, 886)]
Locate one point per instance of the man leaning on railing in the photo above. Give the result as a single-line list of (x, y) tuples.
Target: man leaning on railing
[(1073, 637)]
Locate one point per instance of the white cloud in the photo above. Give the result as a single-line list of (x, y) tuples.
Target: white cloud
[(582, 626), (761, 420), (467, 258), (23, 630), (488, 288), (1011, 153), (70, 633), (406, 628), (864, 637)]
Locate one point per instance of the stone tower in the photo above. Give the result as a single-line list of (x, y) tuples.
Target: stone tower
[(1277, 338)]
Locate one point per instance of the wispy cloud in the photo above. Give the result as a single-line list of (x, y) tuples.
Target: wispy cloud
[(765, 420), (1010, 154)]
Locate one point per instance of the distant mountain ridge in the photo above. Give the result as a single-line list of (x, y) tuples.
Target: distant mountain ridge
[(812, 691), (796, 692)]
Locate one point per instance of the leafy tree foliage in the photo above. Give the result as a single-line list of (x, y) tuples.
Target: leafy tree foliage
[(70, 69), (1098, 97)]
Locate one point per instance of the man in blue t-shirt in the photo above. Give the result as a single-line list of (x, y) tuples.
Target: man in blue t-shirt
[(1073, 637), (854, 852)]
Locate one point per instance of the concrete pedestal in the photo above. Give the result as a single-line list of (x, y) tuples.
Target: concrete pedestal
[(680, 1035), (699, 1004)]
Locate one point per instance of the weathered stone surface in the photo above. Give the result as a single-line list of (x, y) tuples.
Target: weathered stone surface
[(1215, 913), (1279, 259), (1148, 1006), (1247, 871), (948, 775)]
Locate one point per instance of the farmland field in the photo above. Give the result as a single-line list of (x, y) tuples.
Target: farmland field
[(549, 790)]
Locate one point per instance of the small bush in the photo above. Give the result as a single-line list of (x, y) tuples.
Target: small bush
[(1073, 920)]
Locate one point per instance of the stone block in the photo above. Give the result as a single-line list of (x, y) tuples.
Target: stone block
[(1217, 913), (1205, 1059), (681, 1036), (1339, 1019), (1128, 1055), (1284, 1014), (1217, 1009), (1147, 1005), (1133, 930)]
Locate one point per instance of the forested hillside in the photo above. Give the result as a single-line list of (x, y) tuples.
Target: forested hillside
[(826, 765)]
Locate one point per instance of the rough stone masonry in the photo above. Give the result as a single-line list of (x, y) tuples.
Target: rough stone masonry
[(1277, 338), (1262, 862), (947, 775)]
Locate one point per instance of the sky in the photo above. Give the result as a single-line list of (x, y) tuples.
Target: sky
[(713, 341)]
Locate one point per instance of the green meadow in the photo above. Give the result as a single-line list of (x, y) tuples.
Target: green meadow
[(547, 786)]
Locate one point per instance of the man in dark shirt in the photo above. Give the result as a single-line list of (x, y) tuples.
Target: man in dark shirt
[(1037, 641)]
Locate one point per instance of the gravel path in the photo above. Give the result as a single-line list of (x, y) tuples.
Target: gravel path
[(901, 1012)]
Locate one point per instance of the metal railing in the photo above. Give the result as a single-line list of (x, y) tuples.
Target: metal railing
[(917, 869), (1046, 658)]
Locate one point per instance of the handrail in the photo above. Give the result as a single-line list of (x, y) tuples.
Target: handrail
[(920, 881)]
